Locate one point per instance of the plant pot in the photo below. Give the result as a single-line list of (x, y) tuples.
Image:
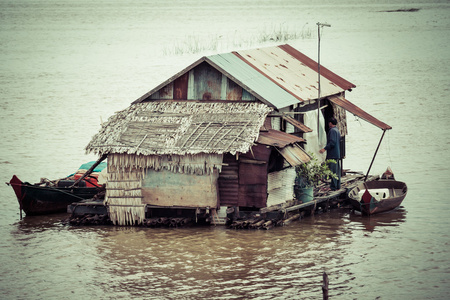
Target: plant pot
[(305, 194)]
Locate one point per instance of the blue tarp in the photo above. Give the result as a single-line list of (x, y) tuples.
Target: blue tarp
[(99, 168)]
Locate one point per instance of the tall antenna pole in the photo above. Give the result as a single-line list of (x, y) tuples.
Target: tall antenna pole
[(319, 26)]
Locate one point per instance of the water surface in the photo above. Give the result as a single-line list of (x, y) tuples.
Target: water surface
[(66, 66)]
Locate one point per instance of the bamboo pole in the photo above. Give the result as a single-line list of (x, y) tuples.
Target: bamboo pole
[(102, 158), (289, 220), (267, 225)]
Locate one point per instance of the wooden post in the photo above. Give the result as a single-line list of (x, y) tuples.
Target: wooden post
[(378, 147), (325, 286)]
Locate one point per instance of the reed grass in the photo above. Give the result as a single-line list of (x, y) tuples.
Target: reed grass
[(282, 33), (193, 44)]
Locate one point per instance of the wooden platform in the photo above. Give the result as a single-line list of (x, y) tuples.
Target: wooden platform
[(264, 218), (284, 213)]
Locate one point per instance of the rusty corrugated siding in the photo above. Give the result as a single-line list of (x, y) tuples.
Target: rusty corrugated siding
[(207, 83), (243, 179), (229, 181), (253, 177), (180, 87)]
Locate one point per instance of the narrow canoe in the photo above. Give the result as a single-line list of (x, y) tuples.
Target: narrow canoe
[(377, 196)]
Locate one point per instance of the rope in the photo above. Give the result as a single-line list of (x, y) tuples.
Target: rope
[(48, 188), (389, 148)]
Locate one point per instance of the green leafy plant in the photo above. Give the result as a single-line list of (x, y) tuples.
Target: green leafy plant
[(309, 174)]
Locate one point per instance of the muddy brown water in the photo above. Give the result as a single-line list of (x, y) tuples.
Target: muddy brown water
[(67, 66)]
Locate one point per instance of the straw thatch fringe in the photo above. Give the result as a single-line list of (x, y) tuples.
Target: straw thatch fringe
[(121, 174), (126, 211), (198, 164), (124, 196), (129, 185)]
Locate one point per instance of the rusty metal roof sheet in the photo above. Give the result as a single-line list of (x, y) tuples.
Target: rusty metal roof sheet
[(347, 105), (332, 77), (295, 155), (294, 72), (279, 76), (277, 138), (286, 144), (302, 127)]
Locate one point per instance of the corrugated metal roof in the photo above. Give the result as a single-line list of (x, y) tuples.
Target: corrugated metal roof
[(302, 127), (294, 72), (347, 105), (277, 138), (286, 144), (334, 78), (253, 81), (278, 76), (295, 155)]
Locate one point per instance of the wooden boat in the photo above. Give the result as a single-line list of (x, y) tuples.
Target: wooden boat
[(377, 196), (36, 199), (48, 196)]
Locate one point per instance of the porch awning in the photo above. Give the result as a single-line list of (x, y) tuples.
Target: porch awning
[(347, 105), (302, 127), (286, 144), (277, 138), (294, 155)]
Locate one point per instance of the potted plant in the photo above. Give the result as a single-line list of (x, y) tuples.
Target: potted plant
[(309, 175)]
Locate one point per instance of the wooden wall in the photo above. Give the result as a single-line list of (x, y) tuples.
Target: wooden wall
[(166, 188)]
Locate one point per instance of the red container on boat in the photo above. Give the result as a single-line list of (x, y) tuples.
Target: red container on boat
[(91, 181)]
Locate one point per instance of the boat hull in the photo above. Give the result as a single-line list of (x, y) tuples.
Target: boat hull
[(42, 200), (393, 194)]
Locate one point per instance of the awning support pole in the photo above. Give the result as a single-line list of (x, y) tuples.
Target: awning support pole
[(319, 25), (373, 159)]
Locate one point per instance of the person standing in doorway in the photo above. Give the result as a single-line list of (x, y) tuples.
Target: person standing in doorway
[(333, 152)]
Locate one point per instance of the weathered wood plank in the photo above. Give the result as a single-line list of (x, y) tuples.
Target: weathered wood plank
[(165, 188)]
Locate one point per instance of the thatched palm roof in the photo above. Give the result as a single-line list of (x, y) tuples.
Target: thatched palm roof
[(180, 128)]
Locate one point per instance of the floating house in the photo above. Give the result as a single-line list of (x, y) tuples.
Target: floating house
[(225, 132)]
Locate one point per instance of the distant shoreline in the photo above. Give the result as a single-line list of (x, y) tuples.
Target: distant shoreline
[(402, 10)]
